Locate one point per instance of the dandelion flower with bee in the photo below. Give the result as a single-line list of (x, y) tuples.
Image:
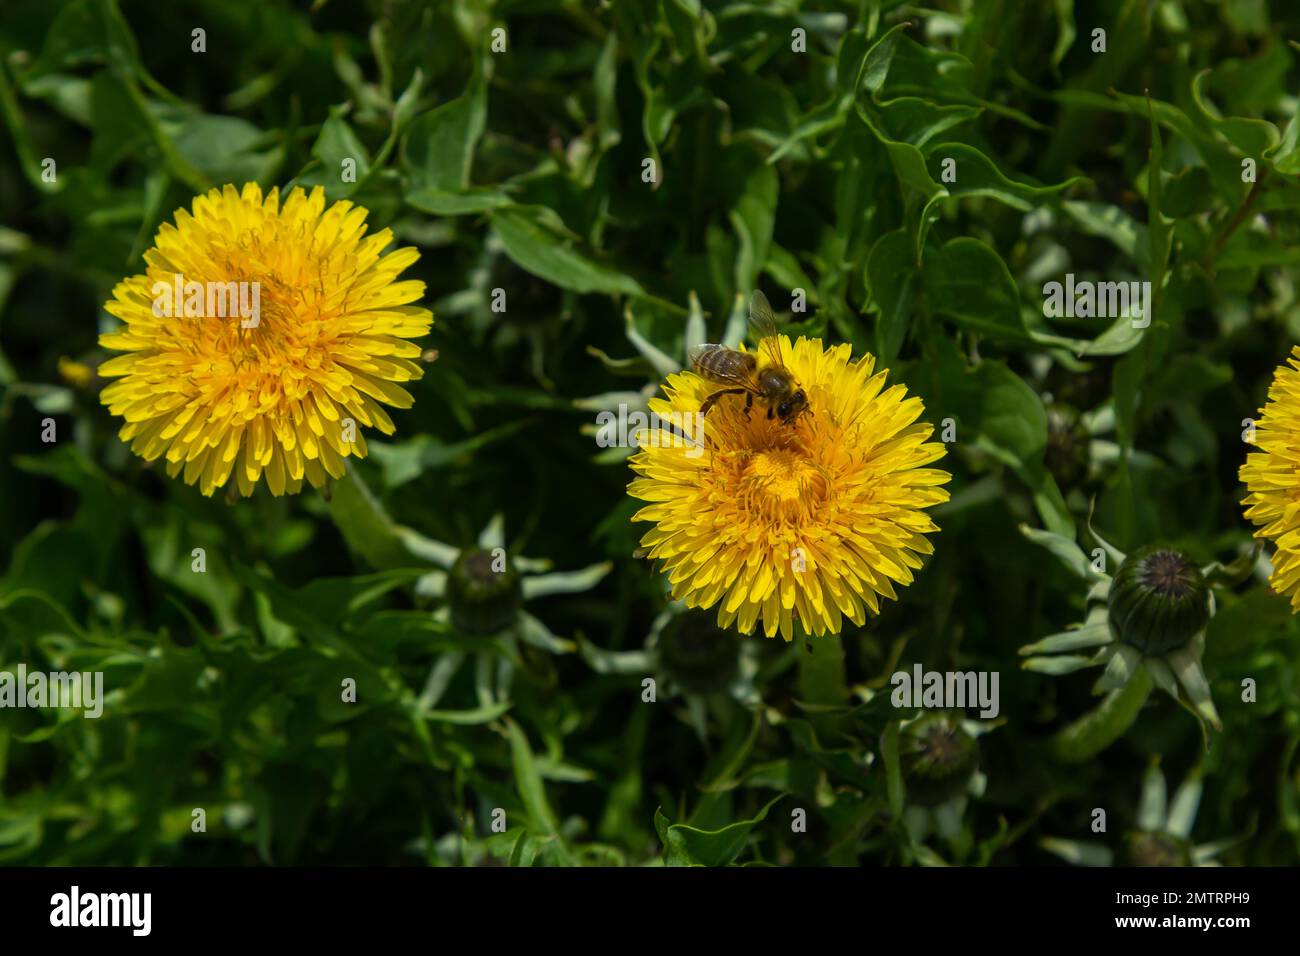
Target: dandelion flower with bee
[(807, 502), (227, 400)]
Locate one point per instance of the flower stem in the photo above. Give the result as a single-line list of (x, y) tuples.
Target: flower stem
[(821, 679), (364, 524)]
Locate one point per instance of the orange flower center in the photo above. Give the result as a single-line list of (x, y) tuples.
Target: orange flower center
[(775, 484)]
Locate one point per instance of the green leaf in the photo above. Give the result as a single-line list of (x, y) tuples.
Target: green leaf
[(224, 148), (1159, 229), (1008, 419), (1065, 549), (467, 718), (440, 144), (1101, 727), (405, 461), (1110, 223), (858, 66), (528, 782), (464, 202), (752, 214), (969, 283), (335, 145), (550, 256), (341, 599), (916, 121), (690, 846), (977, 175), (87, 31), (1254, 137), (1285, 156), (893, 280)]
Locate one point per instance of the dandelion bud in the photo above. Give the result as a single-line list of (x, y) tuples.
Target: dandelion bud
[(1158, 600), (1066, 454), (484, 592), (938, 758), (1157, 849)]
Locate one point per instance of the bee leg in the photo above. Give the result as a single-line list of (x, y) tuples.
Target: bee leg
[(749, 403), (770, 411), (712, 399)]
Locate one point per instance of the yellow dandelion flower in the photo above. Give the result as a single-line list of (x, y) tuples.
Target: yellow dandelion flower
[(1273, 499), (813, 521), (260, 338)]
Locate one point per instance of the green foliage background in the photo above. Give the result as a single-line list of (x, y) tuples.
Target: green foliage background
[(522, 170)]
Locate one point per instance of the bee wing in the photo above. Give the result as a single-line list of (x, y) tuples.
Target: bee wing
[(763, 325), (714, 374), (761, 320), (696, 352)]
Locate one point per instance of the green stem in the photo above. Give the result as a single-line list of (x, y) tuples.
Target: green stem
[(14, 120), (175, 163), (821, 680), (365, 526)]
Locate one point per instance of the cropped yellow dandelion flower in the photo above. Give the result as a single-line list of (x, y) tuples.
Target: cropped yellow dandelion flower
[(262, 336), (813, 521), (1272, 480)]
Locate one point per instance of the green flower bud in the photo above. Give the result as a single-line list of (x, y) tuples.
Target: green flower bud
[(1067, 451), (698, 654), (484, 592), (1157, 849), (1158, 600), (938, 758)]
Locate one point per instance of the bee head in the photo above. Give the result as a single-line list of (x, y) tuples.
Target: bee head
[(792, 407)]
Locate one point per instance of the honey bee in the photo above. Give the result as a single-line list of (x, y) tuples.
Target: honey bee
[(742, 374)]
